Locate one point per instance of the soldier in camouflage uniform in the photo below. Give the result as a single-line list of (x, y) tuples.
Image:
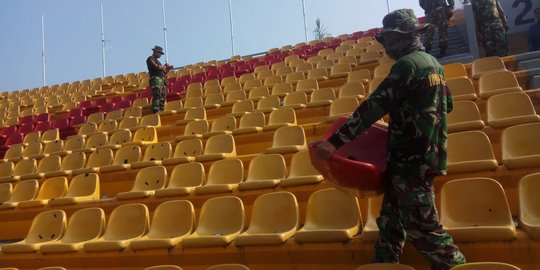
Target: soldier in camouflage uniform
[(417, 99), (438, 12), (158, 79), (491, 26)]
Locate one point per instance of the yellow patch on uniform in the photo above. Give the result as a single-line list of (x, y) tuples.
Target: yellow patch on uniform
[(435, 79)]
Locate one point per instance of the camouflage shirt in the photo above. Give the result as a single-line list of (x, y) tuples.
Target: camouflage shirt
[(153, 65), (417, 99), (486, 12), (429, 5)]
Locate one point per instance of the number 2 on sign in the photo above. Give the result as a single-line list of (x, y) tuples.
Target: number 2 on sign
[(520, 20)]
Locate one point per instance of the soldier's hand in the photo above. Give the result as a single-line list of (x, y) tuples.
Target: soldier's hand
[(323, 149)]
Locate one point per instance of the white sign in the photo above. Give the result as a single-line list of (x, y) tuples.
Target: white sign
[(520, 13)]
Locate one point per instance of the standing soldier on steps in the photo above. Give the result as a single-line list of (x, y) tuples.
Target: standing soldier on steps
[(438, 13), (491, 26), (158, 79)]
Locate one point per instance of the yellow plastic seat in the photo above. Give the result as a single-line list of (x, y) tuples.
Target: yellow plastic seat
[(96, 160), (262, 74), (51, 189), (486, 65), (93, 143), (332, 216), (228, 267), (510, 109), (33, 150), (370, 231), (465, 116), (301, 171), (213, 101), (6, 172), (250, 123), (191, 103), (296, 100), (340, 71), (24, 169), (265, 171), (5, 192), (282, 89), (52, 147), (304, 67), (218, 147), (462, 89), (113, 115), (193, 114), (283, 71), (154, 154), (87, 129), (485, 266), (470, 151), (520, 146), (52, 268), (268, 104), (83, 188), (171, 107), (384, 266), (295, 77), (274, 219), (352, 89), (344, 106), (212, 87), (185, 151), (69, 163), (228, 80), (289, 139), (183, 181), (145, 136), (252, 84), (194, 90), (322, 97), (148, 180), (164, 267), (284, 117), (171, 223), (50, 135), (149, 120), (249, 76), (23, 191), (454, 70), (361, 76), (308, 85), (382, 70), (127, 222), (233, 97), (223, 176), (14, 153), (221, 221), (84, 225), (469, 217), (194, 130), (46, 165), (369, 57), (46, 227), (258, 93), (495, 83), (273, 80), (73, 143), (373, 84), (240, 108), (529, 212), (223, 125), (123, 158), (32, 137), (96, 117)]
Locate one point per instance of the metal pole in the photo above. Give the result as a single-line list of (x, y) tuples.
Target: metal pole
[(164, 31), (305, 20), (43, 48), (388, 6), (232, 27), (102, 41)]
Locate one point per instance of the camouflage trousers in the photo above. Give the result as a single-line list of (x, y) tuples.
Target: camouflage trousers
[(494, 40), (438, 19), (408, 211), (158, 86)]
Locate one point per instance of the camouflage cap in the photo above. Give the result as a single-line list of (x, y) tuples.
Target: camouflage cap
[(402, 21), (158, 49)]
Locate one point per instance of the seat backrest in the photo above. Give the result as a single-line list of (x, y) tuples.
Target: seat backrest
[(189, 148), (127, 154), (193, 102), (50, 135), (87, 128), (84, 225), (32, 137), (120, 137), (223, 215), (195, 113), (454, 70), (150, 178), (74, 142), (164, 267), (382, 70), (214, 99), (307, 85), (289, 136), (172, 219), (133, 112), (253, 119), (243, 106), (14, 152), (173, 105), (520, 140), (5, 191), (96, 140), (157, 151), (53, 188), (196, 127), (275, 212), (224, 123), (296, 98), (264, 167), (187, 175), (25, 166), (460, 203), (301, 165), (529, 202), (24, 191), (146, 135), (84, 185), (343, 105), (109, 125), (282, 88), (53, 147), (323, 94), (127, 221), (47, 226), (486, 64), (73, 161), (352, 89), (228, 267), (373, 84), (497, 80), (268, 102), (464, 111), (259, 92), (6, 169), (129, 122), (223, 143), (113, 115), (469, 145), (49, 164), (96, 117), (332, 209), (485, 266), (282, 116), (227, 171), (509, 105)]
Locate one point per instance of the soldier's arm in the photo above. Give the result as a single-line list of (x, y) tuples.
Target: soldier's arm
[(375, 106), (155, 65)]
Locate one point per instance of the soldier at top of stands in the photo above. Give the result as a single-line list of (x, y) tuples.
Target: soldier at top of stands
[(491, 26), (415, 96), (158, 79), (534, 33), (438, 13)]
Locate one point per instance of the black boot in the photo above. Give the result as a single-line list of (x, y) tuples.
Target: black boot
[(442, 52)]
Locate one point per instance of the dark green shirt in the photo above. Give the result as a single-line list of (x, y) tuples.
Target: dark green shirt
[(415, 96)]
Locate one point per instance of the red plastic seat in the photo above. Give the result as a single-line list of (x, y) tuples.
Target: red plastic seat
[(44, 117), (65, 127), (124, 104), (26, 119), (14, 138), (25, 128), (43, 126), (107, 107), (74, 113)]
